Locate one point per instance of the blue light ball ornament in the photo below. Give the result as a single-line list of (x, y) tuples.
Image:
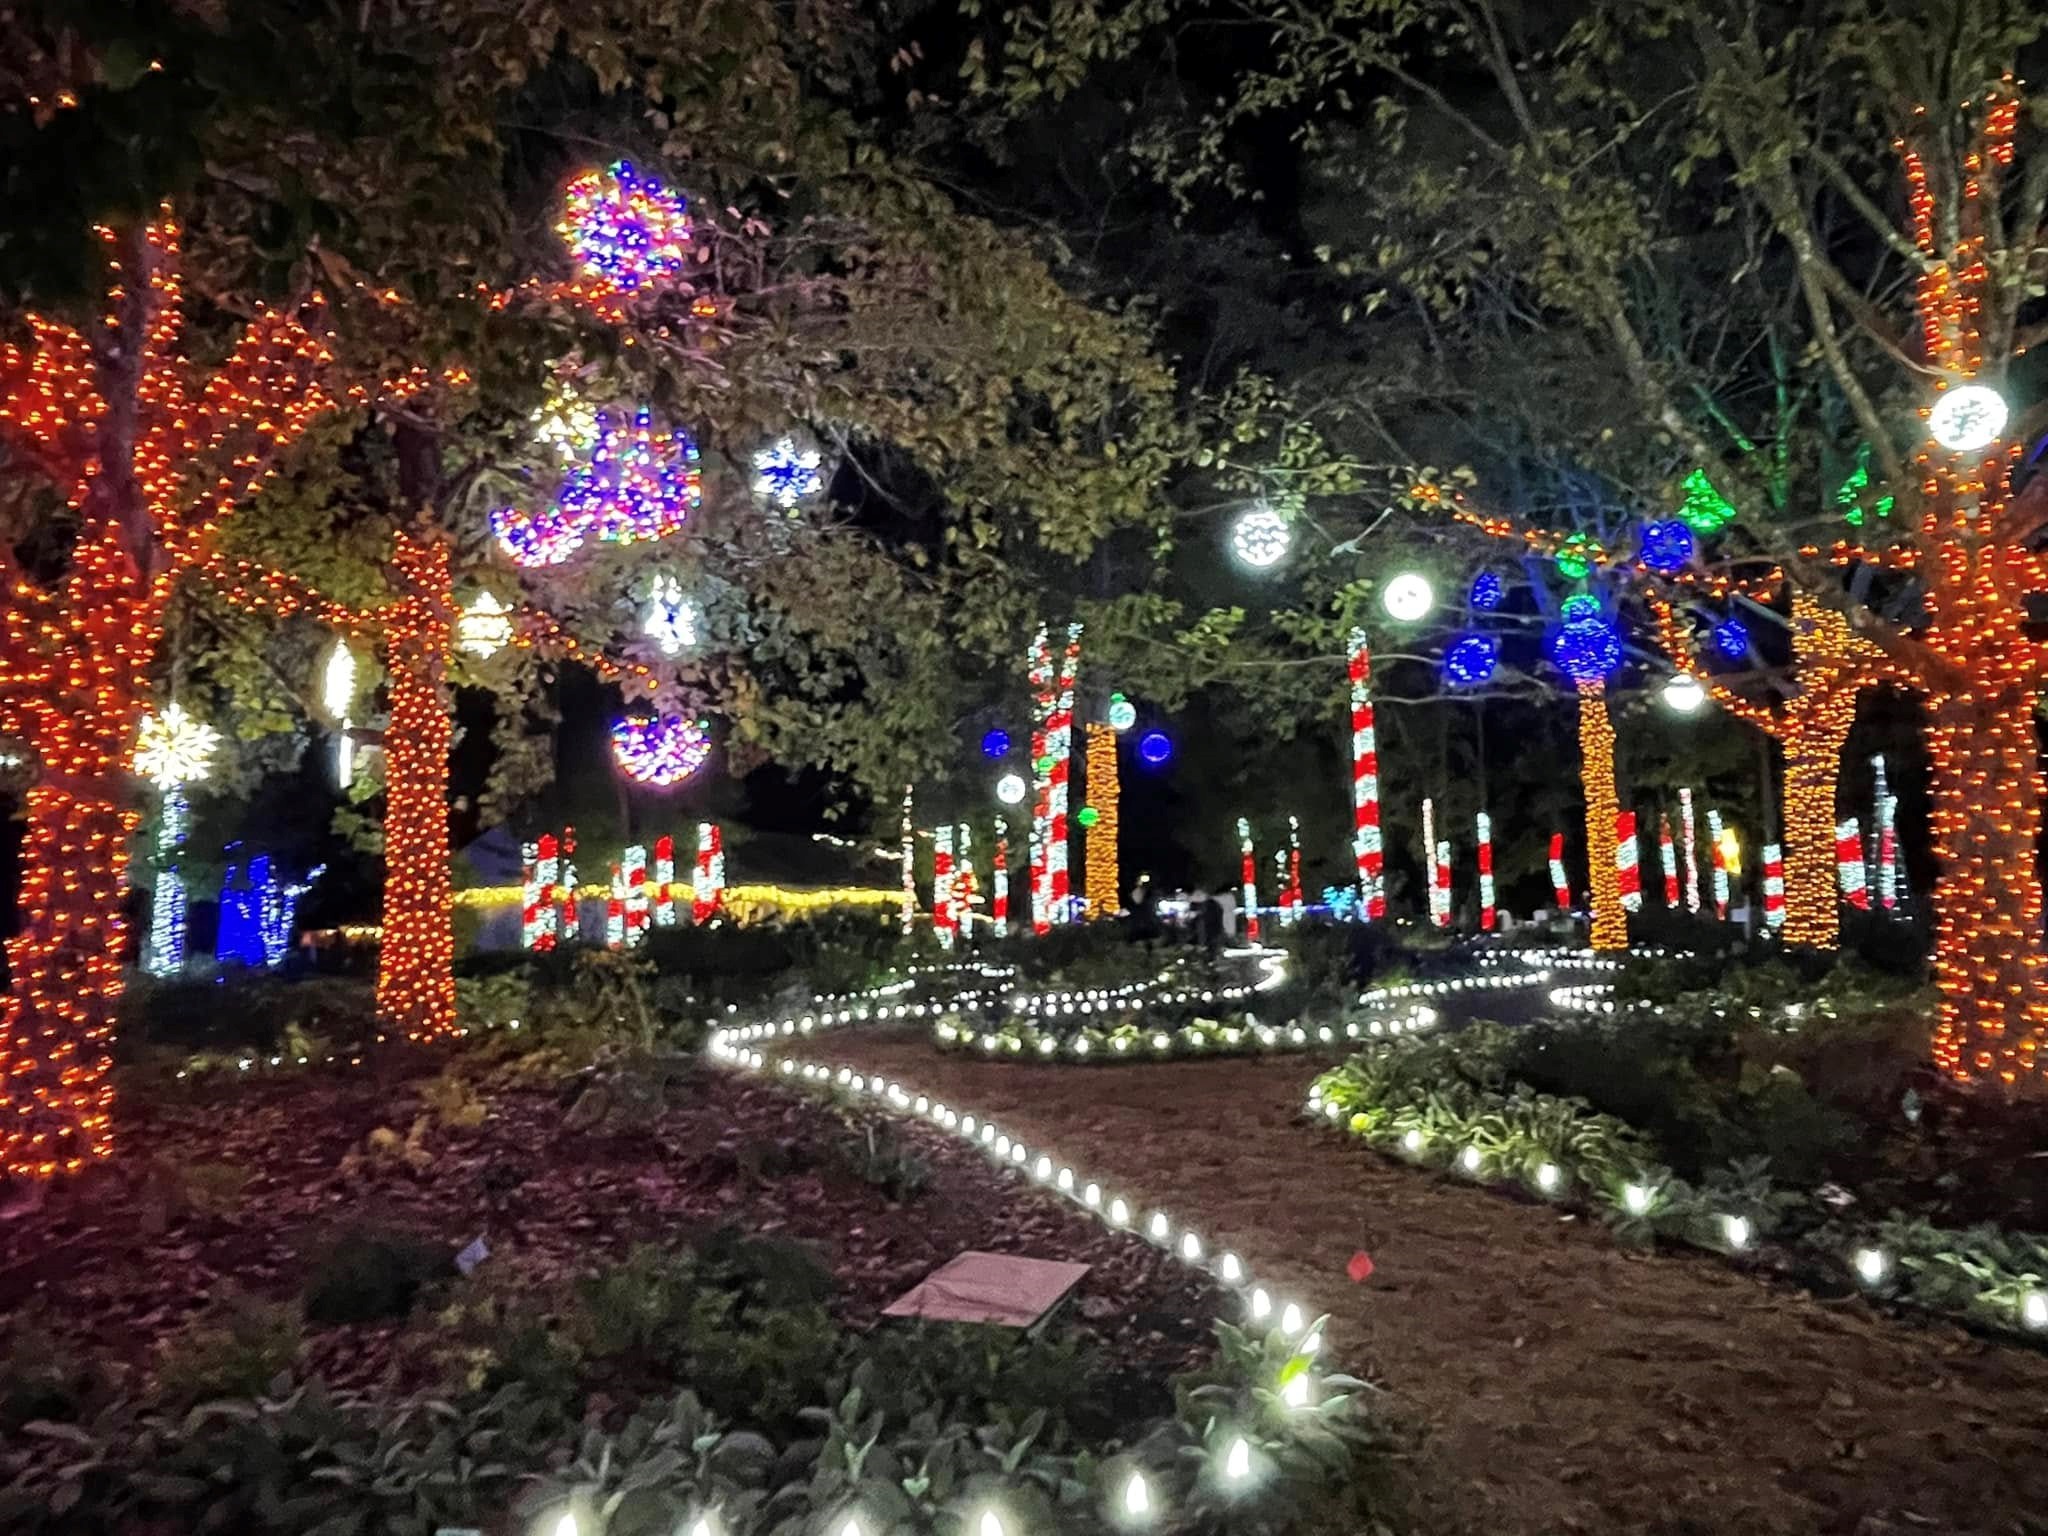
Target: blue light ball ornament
[(1668, 546), (1731, 638), (1488, 591), (1586, 649), (1470, 660), (995, 744), (1154, 748)]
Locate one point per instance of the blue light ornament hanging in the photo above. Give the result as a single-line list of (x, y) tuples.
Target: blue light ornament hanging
[(787, 474), (995, 744), (1470, 660), (661, 750), (1154, 748), (1488, 591), (1731, 638), (1668, 546), (1587, 645)]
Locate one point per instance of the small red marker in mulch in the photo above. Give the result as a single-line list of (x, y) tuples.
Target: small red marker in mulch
[(1360, 1267)]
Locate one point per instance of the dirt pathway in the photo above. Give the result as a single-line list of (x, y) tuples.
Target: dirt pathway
[(1566, 1385)]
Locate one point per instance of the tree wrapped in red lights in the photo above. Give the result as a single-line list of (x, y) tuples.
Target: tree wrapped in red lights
[(148, 452)]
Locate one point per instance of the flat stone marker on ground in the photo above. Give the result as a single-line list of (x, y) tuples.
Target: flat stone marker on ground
[(989, 1288)]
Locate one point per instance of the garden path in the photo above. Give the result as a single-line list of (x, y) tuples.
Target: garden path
[(1564, 1383)]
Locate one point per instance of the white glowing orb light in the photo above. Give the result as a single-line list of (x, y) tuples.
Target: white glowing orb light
[(173, 748), (671, 619), (1237, 1465), (1683, 694), (1010, 789), (1966, 418), (1870, 1264), (566, 1525), (1736, 1230), (704, 1527), (1137, 1499), (1260, 537), (991, 1524), (1636, 1197), (1295, 1394), (1408, 598), (484, 628), (338, 680), (1123, 714)]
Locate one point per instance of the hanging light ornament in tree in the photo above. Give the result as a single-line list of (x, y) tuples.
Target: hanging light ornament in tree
[(565, 423), (1488, 591), (1260, 537), (484, 628), (995, 743), (671, 619), (1731, 638), (174, 749), (1155, 747), (1011, 789), (1470, 660), (787, 474), (661, 750), (636, 485), (1967, 418), (1668, 546), (337, 693), (1683, 695), (1586, 646), (625, 228), (1704, 510), (1408, 597), (1123, 714)]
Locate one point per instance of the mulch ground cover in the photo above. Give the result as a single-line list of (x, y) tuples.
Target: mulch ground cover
[(1562, 1382), (121, 1265)]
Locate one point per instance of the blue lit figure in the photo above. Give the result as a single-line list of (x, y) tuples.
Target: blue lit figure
[(1470, 660), (1667, 546), (1342, 900), (995, 744), (1586, 650), (1154, 748), (786, 474), (241, 914), (1731, 638), (1487, 591)]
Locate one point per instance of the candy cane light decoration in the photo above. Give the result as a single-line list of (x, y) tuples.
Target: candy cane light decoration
[(909, 856), (1060, 744), (708, 884), (1487, 916), (664, 882), (1667, 857), (1560, 884), (1367, 849), (942, 886), (999, 883), (1774, 886), (1720, 858), (1628, 867), (1688, 832), (1886, 821), (1249, 872), (1849, 863)]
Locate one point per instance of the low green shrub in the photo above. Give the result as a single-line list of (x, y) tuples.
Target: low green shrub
[(365, 1275), (234, 1348)]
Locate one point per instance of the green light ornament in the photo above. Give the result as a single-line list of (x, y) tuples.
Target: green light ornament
[(1574, 557), (1705, 509), (1088, 816)]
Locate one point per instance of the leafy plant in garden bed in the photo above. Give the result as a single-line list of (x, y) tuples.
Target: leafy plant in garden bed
[(1457, 1103)]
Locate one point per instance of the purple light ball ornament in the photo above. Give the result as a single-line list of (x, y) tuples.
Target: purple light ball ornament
[(625, 228), (637, 485), (661, 750)]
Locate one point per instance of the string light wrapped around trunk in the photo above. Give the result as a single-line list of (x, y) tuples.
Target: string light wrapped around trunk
[(942, 886), (907, 913), (1367, 849), (1667, 857), (1886, 821), (999, 883), (664, 881), (1688, 832), (1774, 886), (568, 921), (1104, 899), (1487, 916), (1628, 869), (1720, 858), (636, 895), (1294, 899), (1596, 750), (1442, 902), (1249, 872), (708, 885), (1060, 745)]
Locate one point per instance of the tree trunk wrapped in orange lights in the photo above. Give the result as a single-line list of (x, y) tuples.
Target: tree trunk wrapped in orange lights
[(1603, 810), (1831, 666), (150, 453)]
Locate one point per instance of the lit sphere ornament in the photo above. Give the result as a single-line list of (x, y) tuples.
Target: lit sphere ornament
[(1731, 639), (1155, 747), (1587, 650), (1010, 789), (1260, 537), (1683, 694), (1088, 816), (624, 228), (484, 628), (661, 750), (1123, 714), (1967, 418), (174, 748), (996, 743), (671, 619), (637, 484), (1488, 590), (1580, 608), (1408, 597), (1470, 660), (565, 424), (1668, 546)]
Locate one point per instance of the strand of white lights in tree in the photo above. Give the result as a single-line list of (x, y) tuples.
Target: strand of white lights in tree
[(1367, 849), (338, 691), (1688, 832), (1720, 854), (1849, 863), (942, 885), (964, 893), (1429, 858), (1294, 901), (167, 903), (1483, 829), (909, 851), (1628, 861), (1060, 743), (1248, 872), (1886, 821), (1284, 897), (568, 920)]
